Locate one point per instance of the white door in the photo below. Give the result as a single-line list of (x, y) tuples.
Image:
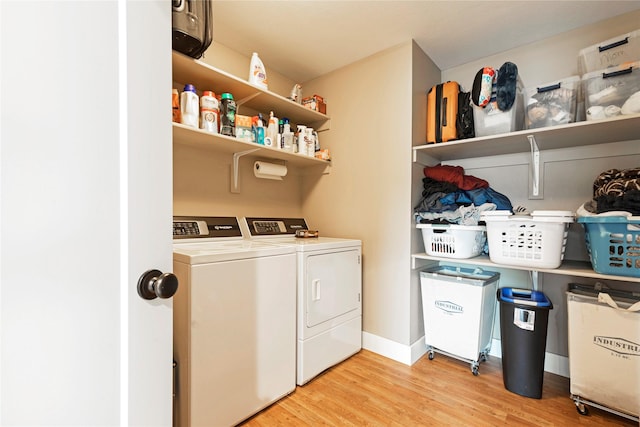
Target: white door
[(86, 201)]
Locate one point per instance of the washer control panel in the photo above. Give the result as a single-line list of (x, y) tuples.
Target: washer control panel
[(205, 227), (190, 228)]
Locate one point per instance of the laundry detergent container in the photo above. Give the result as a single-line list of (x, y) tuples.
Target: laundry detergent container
[(524, 315)]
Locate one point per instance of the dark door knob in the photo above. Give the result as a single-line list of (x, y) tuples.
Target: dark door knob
[(155, 284)]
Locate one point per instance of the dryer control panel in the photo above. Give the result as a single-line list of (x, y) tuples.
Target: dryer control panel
[(275, 226)]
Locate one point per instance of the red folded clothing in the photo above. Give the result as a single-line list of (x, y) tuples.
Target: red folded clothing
[(455, 175)]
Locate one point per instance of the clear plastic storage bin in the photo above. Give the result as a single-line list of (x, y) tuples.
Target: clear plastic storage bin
[(536, 240), (552, 103), (613, 243), (612, 92), (610, 53), (490, 120), (453, 241)]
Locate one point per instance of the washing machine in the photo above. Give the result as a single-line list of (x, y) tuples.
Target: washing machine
[(234, 322), (329, 297)]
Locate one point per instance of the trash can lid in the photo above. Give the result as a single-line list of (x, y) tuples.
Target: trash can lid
[(524, 296)]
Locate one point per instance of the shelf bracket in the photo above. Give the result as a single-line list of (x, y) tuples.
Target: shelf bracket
[(247, 99), (234, 167), (535, 167), (535, 280)]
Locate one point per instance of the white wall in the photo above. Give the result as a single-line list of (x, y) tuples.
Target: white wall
[(549, 59), (366, 195), (568, 174), (425, 75), (202, 178), (377, 108)]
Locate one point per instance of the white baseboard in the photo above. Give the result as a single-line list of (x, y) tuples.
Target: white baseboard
[(399, 352), (409, 355)]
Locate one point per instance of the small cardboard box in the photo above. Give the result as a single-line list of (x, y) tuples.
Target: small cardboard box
[(243, 128), (315, 103)]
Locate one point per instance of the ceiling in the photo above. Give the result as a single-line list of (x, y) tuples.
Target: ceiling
[(306, 39)]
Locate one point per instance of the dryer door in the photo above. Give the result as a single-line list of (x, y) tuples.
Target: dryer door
[(332, 285)]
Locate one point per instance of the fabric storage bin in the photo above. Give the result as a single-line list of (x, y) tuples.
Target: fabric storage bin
[(610, 53), (604, 349), (458, 306), (551, 103), (453, 241), (490, 120), (536, 240), (613, 243), (612, 92)]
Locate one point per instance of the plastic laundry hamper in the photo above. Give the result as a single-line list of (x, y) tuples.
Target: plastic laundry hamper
[(536, 240), (458, 306), (452, 240), (613, 243), (604, 349)]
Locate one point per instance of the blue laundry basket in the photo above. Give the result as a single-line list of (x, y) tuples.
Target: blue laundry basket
[(613, 243)]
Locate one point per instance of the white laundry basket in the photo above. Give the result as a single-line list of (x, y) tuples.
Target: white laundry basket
[(536, 240), (452, 240)]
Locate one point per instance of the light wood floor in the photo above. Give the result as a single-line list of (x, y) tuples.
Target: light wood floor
[(371, 390)]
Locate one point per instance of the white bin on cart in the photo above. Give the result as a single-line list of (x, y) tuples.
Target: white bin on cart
[(604, 349), (458, 306)]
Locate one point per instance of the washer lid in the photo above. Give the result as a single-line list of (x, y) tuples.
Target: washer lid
[(314, 243), (210, 251)]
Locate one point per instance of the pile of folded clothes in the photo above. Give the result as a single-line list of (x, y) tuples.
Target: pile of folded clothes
[(452, 197), (614, 190)]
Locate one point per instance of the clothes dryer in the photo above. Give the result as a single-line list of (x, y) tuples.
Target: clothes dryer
[(329, 297), (234, 322)]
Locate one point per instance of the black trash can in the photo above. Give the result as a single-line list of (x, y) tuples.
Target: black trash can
[(524, 315)]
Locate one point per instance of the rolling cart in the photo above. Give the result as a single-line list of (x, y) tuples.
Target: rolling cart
[(604, 349), (458, 306)]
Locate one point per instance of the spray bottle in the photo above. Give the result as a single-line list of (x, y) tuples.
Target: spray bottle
[(258, 130), (272, 130), (287, 136)]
